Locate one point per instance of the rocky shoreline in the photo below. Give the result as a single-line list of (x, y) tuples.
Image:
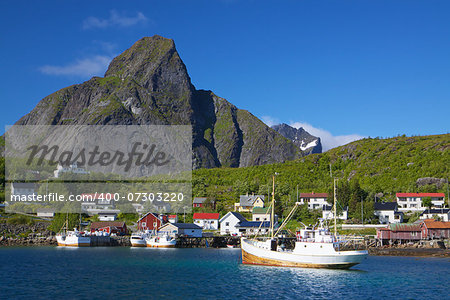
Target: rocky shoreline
[(417, 252), (38, 235)]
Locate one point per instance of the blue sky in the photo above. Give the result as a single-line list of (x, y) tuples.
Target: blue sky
[(342, 69)]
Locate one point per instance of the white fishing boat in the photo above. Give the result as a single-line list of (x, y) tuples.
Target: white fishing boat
[(315, 247), (161, 241), (73, 239), (137, 239)]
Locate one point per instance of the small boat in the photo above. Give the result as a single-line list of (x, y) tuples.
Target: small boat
[(231, 246), (138, 239), (73, 239), (163, 241), (314, 248)]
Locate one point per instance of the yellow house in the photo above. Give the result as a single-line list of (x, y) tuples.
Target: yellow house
[(248, 202)]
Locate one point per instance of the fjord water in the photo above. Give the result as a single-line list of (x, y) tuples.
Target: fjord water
[(102, 273)]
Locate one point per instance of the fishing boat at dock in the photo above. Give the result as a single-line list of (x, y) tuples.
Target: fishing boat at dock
[(73, 238), (137, 239), (315, 247), (161, 241)]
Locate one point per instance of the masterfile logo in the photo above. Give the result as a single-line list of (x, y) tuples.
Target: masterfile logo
[(137, 167)]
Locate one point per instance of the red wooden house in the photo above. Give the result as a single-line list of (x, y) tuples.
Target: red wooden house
[(151, 221), (433, 229), (116, 227), (384, 233), (203, 202), (400, 232)]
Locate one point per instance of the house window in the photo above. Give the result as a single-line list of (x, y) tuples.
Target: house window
[(144, 224), (257, 219), (227, 223)]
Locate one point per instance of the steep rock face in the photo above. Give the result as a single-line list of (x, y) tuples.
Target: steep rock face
[(300, 137), (149, 84)]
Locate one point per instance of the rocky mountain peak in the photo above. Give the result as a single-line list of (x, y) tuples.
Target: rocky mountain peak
[(300, 137), (153, 62), (149, 84)]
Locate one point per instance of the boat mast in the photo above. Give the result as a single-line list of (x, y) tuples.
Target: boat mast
[(334, 210), (273, 204)]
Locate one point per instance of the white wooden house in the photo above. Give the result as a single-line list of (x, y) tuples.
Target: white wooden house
[(230, 222), (387, 212), (208, 221), (181, 229), (314, 200)]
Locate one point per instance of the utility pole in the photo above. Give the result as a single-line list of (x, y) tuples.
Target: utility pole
[(362, 210), (334, 211), (273, 203)]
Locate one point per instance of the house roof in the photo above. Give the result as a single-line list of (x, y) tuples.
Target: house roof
[(182, 225), (199, 200), (23, 185), (433, 224), (404, 227), (385, 206), (261, 210), (248, 200), (45, 210), (209, 216), (436, 211), (383, 229), (172, 216), (154, 214), (103, 224), (313, 195), (420, 195), (235, 214), (265, 224)]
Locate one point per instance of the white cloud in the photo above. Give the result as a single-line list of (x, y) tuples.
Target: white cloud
[(328, 140), (115, 19), (270, 121), (85, 67)]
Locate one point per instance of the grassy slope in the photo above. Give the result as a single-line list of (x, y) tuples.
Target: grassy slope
[(380, 165)]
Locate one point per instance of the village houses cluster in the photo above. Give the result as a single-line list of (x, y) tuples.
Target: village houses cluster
[(234, 223)]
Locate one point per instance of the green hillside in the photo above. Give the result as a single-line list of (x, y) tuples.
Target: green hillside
[(365, 168)]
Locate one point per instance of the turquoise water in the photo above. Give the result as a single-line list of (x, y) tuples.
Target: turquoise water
[(102, 273)]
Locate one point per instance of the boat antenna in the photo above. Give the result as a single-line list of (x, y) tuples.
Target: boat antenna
[(334, 210)]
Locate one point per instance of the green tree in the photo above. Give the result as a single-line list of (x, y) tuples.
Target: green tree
[(59, 220), (426, 201)]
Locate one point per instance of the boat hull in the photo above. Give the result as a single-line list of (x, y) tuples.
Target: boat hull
[(138, 241), (138, 244), (251, 259), (157, 242), (337, 260), (160, 246)]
